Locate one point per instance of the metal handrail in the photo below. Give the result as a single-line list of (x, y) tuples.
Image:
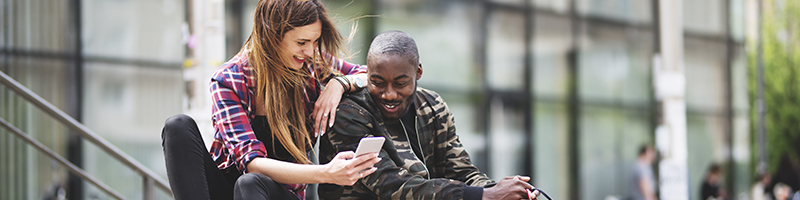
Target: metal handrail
[(75, 169), (150, 177)]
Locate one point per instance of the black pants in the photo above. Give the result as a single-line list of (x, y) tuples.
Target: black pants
[(194, 175)]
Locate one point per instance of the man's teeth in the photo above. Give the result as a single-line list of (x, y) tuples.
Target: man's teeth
[(390, 106)]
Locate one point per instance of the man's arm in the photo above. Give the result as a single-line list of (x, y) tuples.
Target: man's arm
[(457, 164)]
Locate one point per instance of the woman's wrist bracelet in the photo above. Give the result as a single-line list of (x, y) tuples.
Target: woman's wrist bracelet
[(342, 80)]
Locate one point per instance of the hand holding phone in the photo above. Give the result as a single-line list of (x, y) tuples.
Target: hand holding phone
[(369, 145)]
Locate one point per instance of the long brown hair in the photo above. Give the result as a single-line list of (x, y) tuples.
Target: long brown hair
[(279, 86)]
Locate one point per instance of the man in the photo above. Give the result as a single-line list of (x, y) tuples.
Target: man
[(422, 157), (711, 184), (644, 184)]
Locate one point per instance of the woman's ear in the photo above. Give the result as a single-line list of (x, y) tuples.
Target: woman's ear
[(419, 71)]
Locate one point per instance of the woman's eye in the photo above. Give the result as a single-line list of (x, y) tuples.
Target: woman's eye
[(301, 43)]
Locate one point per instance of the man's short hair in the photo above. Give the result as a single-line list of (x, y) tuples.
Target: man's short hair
[(394, 43), (714, 168)]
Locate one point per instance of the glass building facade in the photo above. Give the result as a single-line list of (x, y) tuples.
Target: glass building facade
[(116, 66), (559, 90)]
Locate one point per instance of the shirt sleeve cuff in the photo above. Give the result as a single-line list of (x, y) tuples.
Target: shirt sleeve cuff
[(249, 156), (473, 193)]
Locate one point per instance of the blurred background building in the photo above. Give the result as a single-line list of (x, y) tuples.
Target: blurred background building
[(559, 90)]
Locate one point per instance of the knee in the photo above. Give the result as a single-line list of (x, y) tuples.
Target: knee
[(176, 125), (179, 120), (253, 180)]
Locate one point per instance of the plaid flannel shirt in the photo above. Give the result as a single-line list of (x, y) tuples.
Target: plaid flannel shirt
[(235, 144)]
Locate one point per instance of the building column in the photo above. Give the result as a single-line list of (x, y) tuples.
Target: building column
[(670, 80)]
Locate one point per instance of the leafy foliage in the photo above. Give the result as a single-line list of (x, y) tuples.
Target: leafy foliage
[(781, 53)]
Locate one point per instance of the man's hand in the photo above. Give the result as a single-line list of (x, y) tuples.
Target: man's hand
[(512, 187)]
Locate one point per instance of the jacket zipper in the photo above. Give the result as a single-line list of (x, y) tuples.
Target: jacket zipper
[(419, 145)]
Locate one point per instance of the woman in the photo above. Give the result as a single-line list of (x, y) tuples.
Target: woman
[(263, 101)]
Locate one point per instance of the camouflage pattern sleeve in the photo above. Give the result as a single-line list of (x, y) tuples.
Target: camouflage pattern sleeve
[(457, 164)]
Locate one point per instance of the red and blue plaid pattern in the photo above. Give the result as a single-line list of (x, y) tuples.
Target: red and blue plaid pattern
[(235, 144)]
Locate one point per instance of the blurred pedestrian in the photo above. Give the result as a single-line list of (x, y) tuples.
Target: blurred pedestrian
[(782, 191), (711, 184), (758, 192), (643, 184)]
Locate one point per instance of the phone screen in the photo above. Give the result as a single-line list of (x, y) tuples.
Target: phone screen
[(369, 145)]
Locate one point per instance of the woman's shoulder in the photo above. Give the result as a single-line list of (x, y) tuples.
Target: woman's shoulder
[(235, 70)]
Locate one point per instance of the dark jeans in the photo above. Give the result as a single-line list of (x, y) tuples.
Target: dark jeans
[(194, 175)]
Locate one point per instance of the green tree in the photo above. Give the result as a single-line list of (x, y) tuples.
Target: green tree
[(781, 45)]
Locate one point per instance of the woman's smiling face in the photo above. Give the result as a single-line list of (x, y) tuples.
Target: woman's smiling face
[(299, 43)]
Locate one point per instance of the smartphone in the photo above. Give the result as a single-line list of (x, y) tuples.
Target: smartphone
[(369, 145)]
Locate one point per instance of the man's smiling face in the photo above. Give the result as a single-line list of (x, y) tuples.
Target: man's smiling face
[(392, 83)]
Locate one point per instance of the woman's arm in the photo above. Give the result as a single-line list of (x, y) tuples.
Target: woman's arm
[(325, 107), (342, 170), (231, 122)]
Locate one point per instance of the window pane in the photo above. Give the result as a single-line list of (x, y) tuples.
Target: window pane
[(609, 140), (704, 16), (559, 6), (551, 147), (551, 43), (510, 2), (505, 50), (442, 31), (705, 75), (614, 65), (506, 132), (120, 29), (631, 11)]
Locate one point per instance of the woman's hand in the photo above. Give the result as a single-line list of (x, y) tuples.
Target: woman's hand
[(346, 170), (325, 108)]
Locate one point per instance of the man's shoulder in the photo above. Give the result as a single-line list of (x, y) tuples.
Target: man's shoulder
[(429, 94), (358, 100), (355, 108), (430, 103)]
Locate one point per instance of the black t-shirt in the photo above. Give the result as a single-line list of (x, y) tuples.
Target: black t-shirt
[(275, 149), (410, 124), (408, 128), (709, 190)]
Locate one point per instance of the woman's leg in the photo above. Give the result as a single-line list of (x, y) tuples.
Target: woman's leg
[(191, 171), (259, 186)]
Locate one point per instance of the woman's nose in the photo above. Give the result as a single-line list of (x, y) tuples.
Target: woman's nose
[(308, 51)]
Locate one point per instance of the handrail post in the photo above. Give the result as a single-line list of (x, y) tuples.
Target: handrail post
[(148, 188)]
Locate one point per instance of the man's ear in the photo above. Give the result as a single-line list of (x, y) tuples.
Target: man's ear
[(419, 71)]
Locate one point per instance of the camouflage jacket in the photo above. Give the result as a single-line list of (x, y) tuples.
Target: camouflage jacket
[(445, 173)]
